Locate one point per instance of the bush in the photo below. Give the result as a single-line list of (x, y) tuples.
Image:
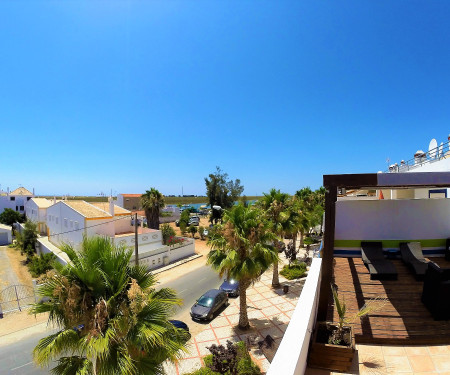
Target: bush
[(200, 232), (9, 217), (183, 227), (167, 231), (41, 264), (295, 271), (192, 230)]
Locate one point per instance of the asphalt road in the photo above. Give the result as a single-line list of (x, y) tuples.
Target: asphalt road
[(16, 358)]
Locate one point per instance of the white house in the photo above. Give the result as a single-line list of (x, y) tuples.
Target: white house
[(69, 221), (5, 234), (36, 211), (15, 200)]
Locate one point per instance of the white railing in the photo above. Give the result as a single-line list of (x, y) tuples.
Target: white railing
[(291, 356)]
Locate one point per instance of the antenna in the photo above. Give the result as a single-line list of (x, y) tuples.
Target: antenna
[(432, 148)]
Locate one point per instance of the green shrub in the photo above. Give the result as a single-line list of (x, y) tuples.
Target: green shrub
[(295, 271), (204, 371), (167, 231), (247, 367), (39, 265)]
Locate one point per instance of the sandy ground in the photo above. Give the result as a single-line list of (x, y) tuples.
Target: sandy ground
[(18, 266)]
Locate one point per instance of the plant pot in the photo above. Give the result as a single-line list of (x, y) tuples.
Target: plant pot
[(285, 289), (329, 356)]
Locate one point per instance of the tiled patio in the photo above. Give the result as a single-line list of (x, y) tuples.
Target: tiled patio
[(405, 360), (269, 312)]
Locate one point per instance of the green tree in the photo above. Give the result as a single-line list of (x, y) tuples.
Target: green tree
[(276, 206), (9, 217), (167, 231), (111, 319), (241, 249), (41, 264), (221, 192), (201, 231), (192, 230), (29, 238), (152, 202), (184, 218)]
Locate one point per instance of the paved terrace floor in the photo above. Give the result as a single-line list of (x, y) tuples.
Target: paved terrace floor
[(404, 320)]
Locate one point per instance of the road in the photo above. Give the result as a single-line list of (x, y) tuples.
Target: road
[(16, 359)]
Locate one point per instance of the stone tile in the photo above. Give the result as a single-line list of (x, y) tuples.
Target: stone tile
[(202, 347), (416, 350), (371, 366), (370, 350), (268, 294), (255, 336), (287, 306), (261, 323), (270, 310), (224, 332), (257, 297), (169, 368), (283, 327), (255, 314), (277, 300), (231, 310), (251, 292), (191, 352), (262, 303), (393, 350), (438, 350), (263, 288), (289, 313), (280, 319), (264, 365), (220, 321), (206, 335), (421, 363), (186, 366), (441, 362), (397, 364), (275, 332), (232, 339), (234, 319)]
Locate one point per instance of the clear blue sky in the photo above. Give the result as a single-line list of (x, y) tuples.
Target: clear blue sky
[(132, 94)]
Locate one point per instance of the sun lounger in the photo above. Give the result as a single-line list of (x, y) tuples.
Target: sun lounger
[(412, 256), (379, 267), (436, 291)]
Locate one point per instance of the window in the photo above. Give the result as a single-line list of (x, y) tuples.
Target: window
[(65, 222), (57, 220), (153, 261), (76, 224), (28, 198), (159, 260), (71, 223), (17, 208), (21, 208), (12, 198)]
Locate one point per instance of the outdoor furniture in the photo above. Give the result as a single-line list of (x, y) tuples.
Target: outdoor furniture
[(447, 249), (379, 267), (436, 291), (412, 256)]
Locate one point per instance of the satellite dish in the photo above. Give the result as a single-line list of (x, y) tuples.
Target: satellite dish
[(432, 148), (441, 150)]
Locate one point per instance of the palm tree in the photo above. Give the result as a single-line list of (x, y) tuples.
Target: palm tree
[(110, 317), (276, 210), (241, 249), (152, 202)]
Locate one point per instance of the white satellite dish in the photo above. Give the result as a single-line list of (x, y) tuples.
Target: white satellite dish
[(432, 148), (441, 150)]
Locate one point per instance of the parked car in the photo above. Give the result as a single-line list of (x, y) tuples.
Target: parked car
[(230, 287), (208, 304), (194, 220), (180, 324)]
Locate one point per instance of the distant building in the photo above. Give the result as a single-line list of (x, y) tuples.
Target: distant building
[(36, 211), (15, 200), (5, 234), (131, 202)]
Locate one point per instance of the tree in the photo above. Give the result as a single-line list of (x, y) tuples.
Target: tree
[(221, 191), (201, 232), (167, 231), (192, 230), (152, 202), (241, 249), (9, 217), (111, 319), (281, 218), (28, 239)]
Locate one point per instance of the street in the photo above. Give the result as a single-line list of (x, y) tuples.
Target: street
[(16, 358)]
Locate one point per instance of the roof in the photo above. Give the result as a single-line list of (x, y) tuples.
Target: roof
[(117, 209), (42, 202), (3, 226), (86, 209), (131, 195), (21, 191)]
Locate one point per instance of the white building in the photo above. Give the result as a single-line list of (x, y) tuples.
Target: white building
[(5, 234), (15, 200), (69, 221), (36, 211)]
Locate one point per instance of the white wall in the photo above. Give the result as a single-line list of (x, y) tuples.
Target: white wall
[(19, 200), (57, 225), (6, 229), (393, 219), (119, 201)]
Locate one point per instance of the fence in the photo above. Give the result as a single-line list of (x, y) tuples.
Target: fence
[(16, 298)]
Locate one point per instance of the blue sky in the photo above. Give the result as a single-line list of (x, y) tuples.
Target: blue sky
[(127, 95)]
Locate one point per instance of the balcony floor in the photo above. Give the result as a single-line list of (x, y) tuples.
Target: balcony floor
[(404, 320)]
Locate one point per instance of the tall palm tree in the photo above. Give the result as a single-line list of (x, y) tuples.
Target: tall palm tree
[(276, 210), (152, 202), (240, 249), (110, 318)]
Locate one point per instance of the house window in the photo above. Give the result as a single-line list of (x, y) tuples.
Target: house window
[(153, 261), (57, 219), (65, 222), (17, 208), (21, 208), (12, 198), (71, 223), (159, 260), (76, 224)]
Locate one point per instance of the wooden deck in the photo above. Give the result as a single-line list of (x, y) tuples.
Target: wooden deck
[(403, 320)]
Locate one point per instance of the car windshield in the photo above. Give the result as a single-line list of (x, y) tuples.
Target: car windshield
[(205, 301)]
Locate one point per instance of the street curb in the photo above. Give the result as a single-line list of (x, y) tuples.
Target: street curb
[(176, 264)]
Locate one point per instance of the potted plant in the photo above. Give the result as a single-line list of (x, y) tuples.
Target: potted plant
[(333, 345)]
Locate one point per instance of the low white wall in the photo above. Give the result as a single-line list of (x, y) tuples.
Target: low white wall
[(44, 246), (8, 230), (393, 219), (291, 356)]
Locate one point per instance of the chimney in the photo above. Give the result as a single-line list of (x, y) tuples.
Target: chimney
[(111, 205), (54, 200), (33, 192), (7, 193)]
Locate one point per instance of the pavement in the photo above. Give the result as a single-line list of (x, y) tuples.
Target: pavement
[(269, 312)]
